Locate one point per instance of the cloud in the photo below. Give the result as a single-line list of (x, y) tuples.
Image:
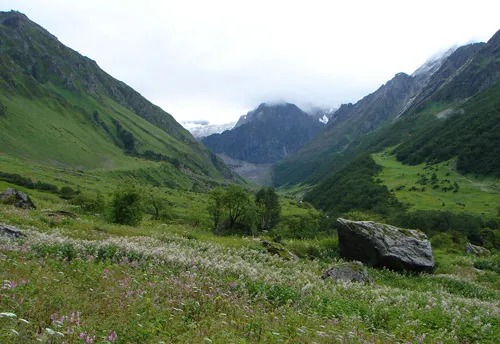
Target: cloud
[(217, 59)]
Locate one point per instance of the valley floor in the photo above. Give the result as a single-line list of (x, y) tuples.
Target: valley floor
[(439, 187)]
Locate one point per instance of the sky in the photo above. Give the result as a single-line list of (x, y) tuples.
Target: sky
[(215, 60)]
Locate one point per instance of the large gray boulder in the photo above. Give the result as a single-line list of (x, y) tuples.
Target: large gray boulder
[(17, 198), (380, 245)]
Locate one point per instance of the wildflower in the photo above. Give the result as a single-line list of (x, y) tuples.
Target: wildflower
[(50, 331), (112, 337)]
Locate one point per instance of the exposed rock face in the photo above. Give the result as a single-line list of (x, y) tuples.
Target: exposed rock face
[(279, 250), (348, 272), (17, 198), (266, 134), (478, 251), (381, 245), (10, 231)]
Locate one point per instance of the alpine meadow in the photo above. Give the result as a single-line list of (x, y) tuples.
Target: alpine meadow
[(372, 222)]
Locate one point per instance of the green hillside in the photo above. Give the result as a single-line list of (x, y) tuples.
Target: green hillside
[(470, 132), (58, 108), (439, 186)]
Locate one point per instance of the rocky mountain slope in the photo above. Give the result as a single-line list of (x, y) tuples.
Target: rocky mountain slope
[(58, 107), (346, 124), (266, 134), (438, 85)]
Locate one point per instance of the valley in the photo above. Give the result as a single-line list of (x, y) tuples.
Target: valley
[(136, 232)]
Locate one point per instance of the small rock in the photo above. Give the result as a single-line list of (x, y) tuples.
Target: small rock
[(478, 251), (60, 213), (17, 198), (348, 272), (9, 231), (279, 250)]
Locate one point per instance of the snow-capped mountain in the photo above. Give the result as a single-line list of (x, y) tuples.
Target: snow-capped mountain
[(201, 129)]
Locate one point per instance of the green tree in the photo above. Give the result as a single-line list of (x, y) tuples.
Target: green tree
[(237, 202), (157, 206), (268, 208), (216, 205), (127, 206)]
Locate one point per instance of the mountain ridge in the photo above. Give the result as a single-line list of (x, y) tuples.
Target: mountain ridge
[(476, 66)]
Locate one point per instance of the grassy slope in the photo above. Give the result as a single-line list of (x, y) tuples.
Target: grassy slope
[(64, 113), (476, 196), (42, 130)]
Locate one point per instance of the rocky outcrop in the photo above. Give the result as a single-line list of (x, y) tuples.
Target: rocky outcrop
[(381, 245), (348, 272), (9, 231), (279, 250), (478, 251), (17, 198)]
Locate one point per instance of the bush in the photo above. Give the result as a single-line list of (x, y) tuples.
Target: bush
[(67, 192), (89, 203), (299, 226), (442, 240), (127, 207), (490, 238)]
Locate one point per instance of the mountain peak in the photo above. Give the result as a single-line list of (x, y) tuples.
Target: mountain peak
[(264, 110), (266, 134), (13, 19)]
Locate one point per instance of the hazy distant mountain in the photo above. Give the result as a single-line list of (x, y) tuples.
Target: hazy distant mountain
[(201, 129), (266, 134)]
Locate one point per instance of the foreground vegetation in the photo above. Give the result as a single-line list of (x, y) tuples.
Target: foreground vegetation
[(87, 280)]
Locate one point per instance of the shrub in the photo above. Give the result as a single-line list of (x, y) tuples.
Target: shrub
[(89, 203), (127, 207), (67, 192)]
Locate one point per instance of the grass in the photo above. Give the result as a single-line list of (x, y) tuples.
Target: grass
[(70, 280), (476, 196)]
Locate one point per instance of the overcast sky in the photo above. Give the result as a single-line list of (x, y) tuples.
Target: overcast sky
[(216, 60)]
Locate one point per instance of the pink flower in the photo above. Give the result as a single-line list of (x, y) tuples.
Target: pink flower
[(112, 336)]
